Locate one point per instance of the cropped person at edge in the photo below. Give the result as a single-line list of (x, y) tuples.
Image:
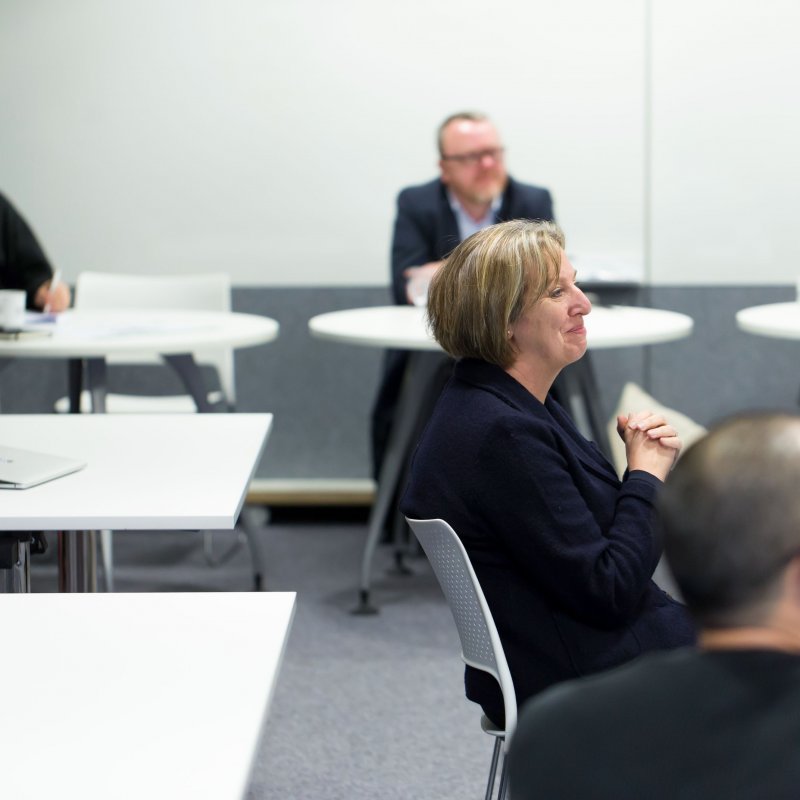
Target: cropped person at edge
[(23, 264), (721, 720)]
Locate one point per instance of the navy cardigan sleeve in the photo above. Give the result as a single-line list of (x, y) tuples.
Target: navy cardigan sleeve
[(586, 542)]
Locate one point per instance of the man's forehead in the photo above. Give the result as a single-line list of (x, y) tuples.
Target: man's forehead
[(468, 128)]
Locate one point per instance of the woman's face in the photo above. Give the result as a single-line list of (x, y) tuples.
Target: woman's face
[(550, 333)]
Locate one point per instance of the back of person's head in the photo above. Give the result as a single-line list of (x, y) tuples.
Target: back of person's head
[(730, 516), (487, 282)]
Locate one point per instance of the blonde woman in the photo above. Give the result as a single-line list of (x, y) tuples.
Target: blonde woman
[(563, 549)]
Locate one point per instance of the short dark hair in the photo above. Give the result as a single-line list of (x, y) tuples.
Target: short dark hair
[(730, 517)]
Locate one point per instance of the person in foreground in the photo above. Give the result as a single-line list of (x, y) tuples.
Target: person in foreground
[(563, 549), (723, 720), (23, 264)]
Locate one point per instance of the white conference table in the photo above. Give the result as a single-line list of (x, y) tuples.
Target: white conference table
[(776, 320), (405, 328), (144, 472), (93, 336), (131, 696)]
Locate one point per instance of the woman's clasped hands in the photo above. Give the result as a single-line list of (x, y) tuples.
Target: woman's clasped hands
[(651, 443)]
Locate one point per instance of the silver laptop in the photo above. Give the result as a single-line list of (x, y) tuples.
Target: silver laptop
[(20, 469)]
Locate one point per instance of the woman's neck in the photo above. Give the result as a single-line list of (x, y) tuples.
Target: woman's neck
[(532, 379)]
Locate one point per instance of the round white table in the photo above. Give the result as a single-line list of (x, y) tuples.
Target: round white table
[(776, 320), (92, 336), (405, 328)]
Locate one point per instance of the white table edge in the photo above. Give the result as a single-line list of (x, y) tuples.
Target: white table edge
[(61, 522), (770, 329), (267, 700)]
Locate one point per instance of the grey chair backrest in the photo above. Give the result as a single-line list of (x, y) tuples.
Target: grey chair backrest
[(480, 643)]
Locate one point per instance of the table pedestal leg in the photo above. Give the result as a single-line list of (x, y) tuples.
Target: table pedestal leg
[(75, 383), (4, 362), (77, 561), (415, 397), (96, 372), (189, 373), (15, 563), (96, 380)]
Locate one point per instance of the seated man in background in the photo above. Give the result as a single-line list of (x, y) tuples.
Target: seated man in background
[(720, 721), (23, 264), (473, 191)]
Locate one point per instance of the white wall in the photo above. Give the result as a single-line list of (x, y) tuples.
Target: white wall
[(726, 143), (269, 137)]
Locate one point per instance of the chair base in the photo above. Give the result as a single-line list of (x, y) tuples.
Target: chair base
[(364, 607), (497, 753)]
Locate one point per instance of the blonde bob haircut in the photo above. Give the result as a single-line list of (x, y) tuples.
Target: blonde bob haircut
[(486, 284)]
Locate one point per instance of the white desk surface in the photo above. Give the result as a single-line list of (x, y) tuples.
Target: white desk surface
[(132, 696), (405, 327), (145, 472), (87, 334), (777, 320)]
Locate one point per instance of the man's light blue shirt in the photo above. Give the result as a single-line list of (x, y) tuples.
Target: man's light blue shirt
[(466, 224)]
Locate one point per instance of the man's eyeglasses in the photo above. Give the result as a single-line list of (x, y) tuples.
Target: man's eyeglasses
[(495, 153)]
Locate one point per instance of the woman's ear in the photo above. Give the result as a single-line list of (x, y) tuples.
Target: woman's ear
[(791, 582)]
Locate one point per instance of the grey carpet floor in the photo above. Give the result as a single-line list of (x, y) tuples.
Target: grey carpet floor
[(364, 707)]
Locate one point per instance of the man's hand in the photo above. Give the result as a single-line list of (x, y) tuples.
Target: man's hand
[(56, 299), (417, 281)]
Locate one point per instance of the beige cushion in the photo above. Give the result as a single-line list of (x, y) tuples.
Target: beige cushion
[(634, 398)]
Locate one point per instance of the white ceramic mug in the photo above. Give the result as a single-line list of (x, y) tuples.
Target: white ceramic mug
[(12, 309)]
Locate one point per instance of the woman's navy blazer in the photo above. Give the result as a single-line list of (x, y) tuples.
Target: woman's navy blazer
[(563, 549)]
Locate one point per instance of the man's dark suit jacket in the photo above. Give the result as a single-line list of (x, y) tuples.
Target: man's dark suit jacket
[(426, 229), (563, 549)]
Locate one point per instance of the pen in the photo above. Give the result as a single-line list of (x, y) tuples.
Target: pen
[(54, 281)]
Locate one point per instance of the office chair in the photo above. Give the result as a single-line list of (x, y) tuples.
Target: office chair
[(480, 643), (201, 292), (198, 292)]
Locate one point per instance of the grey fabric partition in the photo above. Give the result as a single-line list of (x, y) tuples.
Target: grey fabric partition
[(321, 392)]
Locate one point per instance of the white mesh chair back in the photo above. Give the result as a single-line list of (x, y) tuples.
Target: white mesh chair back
[(480, 643), (201, 292)]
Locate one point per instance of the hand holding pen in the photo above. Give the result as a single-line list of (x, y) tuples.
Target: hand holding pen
[(56, 296)]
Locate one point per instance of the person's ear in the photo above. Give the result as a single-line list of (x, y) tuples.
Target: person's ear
[(791, 581)]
